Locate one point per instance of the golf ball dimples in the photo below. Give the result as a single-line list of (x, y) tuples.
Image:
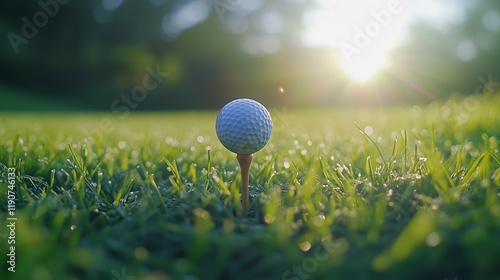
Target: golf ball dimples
[(244, 126)]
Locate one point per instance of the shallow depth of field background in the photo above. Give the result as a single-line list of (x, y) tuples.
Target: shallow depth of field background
[(85, 55)]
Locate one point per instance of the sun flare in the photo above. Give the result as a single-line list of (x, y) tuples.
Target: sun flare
[(363, 67), (362, 34)]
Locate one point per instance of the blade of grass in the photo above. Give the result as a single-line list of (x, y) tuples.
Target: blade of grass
[(157, 193), (373, 143)]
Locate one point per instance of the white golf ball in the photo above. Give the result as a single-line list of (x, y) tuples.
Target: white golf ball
[(244, 126)]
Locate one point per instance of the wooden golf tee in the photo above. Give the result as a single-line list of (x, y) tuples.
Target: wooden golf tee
[(245, 161)]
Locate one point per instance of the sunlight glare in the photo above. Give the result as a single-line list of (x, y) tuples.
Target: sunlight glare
[(364, 67), (362, 33)]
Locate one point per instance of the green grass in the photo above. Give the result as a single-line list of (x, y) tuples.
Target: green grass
[(341, 193)]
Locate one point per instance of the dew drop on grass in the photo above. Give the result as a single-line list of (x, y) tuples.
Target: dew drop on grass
[(368, 130), (394, 135), (305, 246), (171, 141), (286, 164), (122, 145), (433, 239), (468, 146)]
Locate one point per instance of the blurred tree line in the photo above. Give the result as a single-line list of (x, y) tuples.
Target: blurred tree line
[(86, 55)]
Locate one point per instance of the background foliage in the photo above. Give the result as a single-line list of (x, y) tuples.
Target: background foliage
[(91, 52)]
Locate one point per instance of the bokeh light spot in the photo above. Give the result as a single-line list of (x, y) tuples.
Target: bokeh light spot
[(263, 44), (433, 239), (368, 130), (111, 5), (466, 50), (102, 16), (185, 17), (270, 22), (237, 24), (305, 246), (491, 20)]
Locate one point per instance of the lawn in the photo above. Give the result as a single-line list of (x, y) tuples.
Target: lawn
[(407, 192)]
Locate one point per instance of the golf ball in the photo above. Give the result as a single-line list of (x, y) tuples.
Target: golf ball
[(244, 126)]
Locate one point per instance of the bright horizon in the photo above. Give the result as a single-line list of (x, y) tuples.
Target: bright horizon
[(364, 34)]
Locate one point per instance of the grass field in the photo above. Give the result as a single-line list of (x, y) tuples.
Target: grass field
[(341, 193)]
